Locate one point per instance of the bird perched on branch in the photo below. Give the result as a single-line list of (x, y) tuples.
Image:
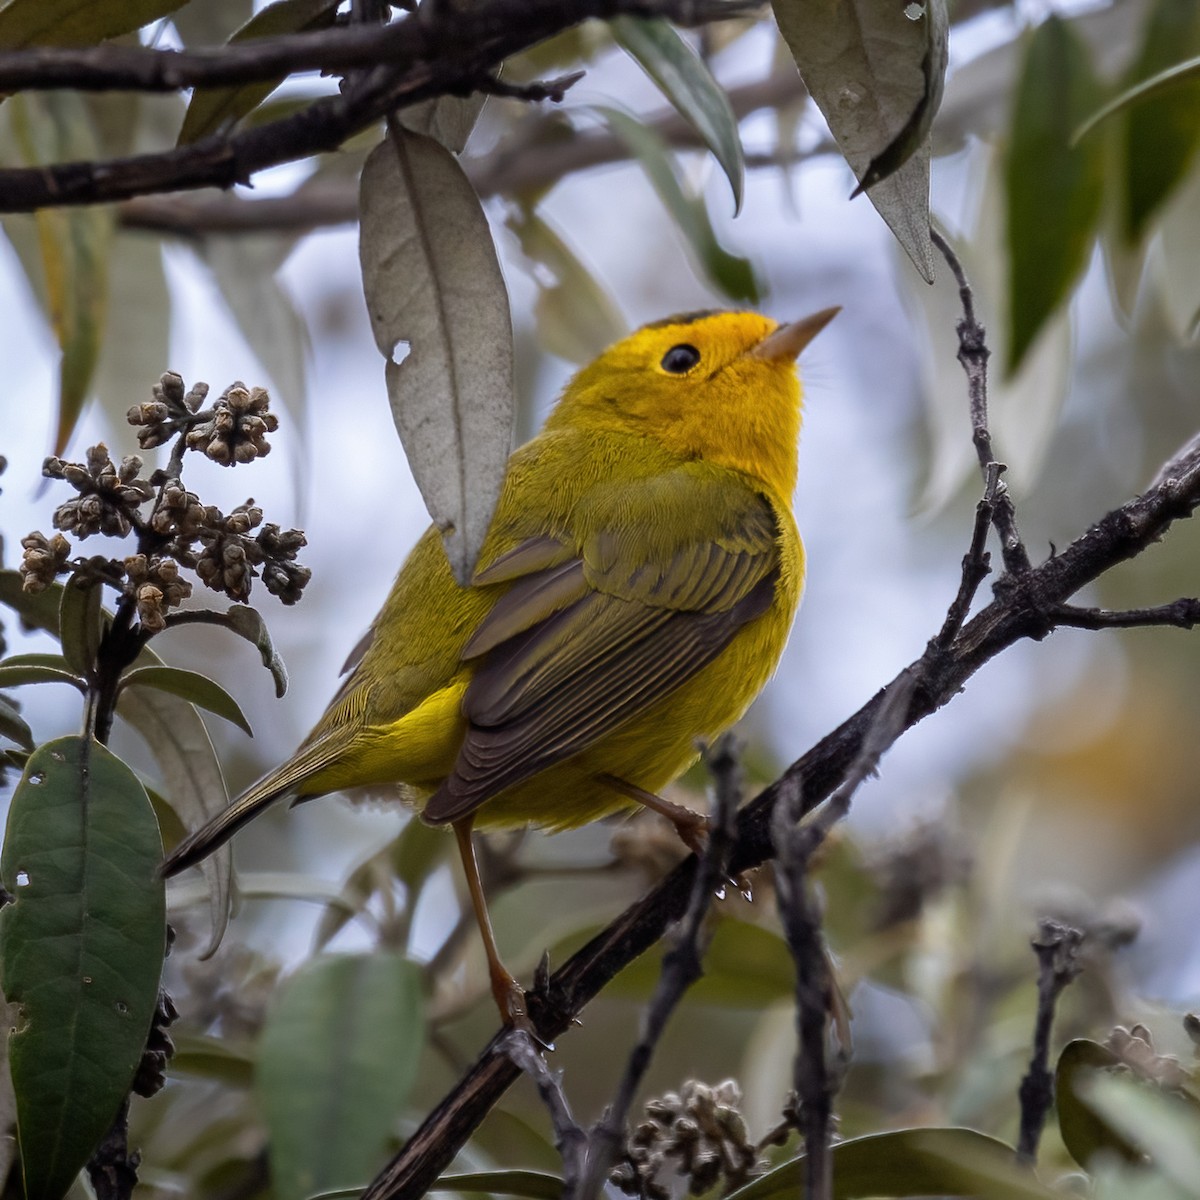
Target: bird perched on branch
[(633, 595)]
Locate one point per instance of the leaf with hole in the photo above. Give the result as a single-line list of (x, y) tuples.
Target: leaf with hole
[(684, 78), (432, 280), (337, 1059), (191, 686), (81, 950)]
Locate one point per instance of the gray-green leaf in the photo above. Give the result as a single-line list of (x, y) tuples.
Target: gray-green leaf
[(876, 75), (432, 280), (337, 1058), (192, 686), (13, 726), (688, 84)]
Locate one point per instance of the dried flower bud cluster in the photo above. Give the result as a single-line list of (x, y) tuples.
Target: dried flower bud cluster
[(109, 495), (172, 410), (45, 559), (1135, 1048), (699, 1134), (236, 431), (151, 1074), (156, 587)]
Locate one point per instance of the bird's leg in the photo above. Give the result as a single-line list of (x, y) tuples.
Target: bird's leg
[(510, 998), (691, 826)]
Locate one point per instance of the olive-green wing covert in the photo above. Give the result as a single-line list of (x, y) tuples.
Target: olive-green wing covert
[(575, 649)]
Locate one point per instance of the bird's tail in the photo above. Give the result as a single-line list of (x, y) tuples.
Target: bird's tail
[(285, 782)]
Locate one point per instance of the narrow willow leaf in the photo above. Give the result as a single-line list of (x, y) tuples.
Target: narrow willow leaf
[(192, 686), (1084, 1132), (136, 347), (81, 950), (876, 74), (576, 316), (432, 281), (912, 1162), (74, 22), (192, 776), (685, 80), (1182, 74), (15, 675), (74, 243), (245, 269), (215, 109), (248, 623), (337, 1059), (536, 1185), (80, 625), (447, 119), (1053, 190), (214, 1058), (13, 726), (1180, 236), (730, 273), (1161, 132)]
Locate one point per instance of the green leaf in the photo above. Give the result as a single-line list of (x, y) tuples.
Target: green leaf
[(1182, 74), (74, 243), (81, 950), (912, 1162), (1162, 131), (745, 966), (75, 22), (685, 80), (80, 625), (447, 119), (536, 1185), (248, 623), (1083, 1131), (216, 109), (876, 74), (432, 280), (13, 675), (212, 1058), (337, 1058), (1053, 190), (730, 273), (1165, 1127), (37, 609), (576, 317), (191, 686), (194, 782), (13, 726)]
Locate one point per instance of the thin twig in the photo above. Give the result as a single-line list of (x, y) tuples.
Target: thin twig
[(681, 964), (976, 563), (1057, 949), (939, 677), (973, 354), (1183, 613), (569, 1138)]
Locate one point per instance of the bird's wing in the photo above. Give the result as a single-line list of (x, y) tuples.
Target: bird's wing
[(575, 649)]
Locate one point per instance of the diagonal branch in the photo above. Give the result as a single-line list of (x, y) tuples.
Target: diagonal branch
[(941, 673), (425, 57)]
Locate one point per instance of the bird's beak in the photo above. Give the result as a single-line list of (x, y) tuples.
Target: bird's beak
[(787, 341)]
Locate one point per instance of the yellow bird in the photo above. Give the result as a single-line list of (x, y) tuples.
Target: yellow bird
[(633, 595)]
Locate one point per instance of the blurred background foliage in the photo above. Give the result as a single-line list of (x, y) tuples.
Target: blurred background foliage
[(1062, 783)]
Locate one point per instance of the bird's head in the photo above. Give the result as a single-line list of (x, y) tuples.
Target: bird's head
[(721, 386)]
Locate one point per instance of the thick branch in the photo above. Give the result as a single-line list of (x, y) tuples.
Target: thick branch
[(1015, 613), (445, 55)]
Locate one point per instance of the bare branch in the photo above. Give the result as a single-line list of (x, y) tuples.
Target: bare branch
[(681, 965), (426, 57), (1057, 948), (973, 354), (1183, 613)]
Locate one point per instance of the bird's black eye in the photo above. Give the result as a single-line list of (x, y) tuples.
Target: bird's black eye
[(679, 360)]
